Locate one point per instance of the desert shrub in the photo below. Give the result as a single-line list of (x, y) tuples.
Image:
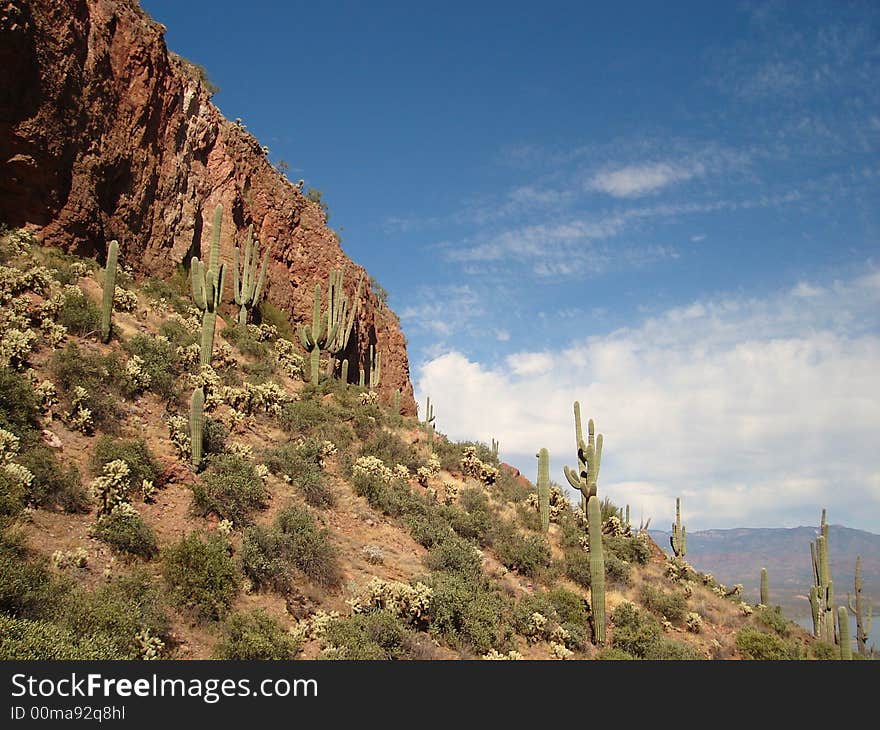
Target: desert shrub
[(577, 566), (391, 450), (160, 363), (772, 618), (230, 488), (528, 605), (214, 435), (126, 609), (124, 530), (457, 556), (79, 314), (300, 464), (666, 649), (510, 488), (69, 268), (571, 607), (466, 614), (824, 651), (174, 291), (201, 574), (476, 525), (672, 606), (427, 529), (19, 411), (25, 639), (53, 486), (617, 570), (631, 549), (245, 341), (305, 417), (255, 636), (368, 636), (269, 555), (307, 546), (72, 367), (26, 585), (267, 313), (524, 554), (635, 632), (135, 453), (753, 643), (612, 653), (260, 371), (178, 335)]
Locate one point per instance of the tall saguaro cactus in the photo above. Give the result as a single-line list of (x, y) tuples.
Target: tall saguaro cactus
[(375, 367), (207, 289), (317, 335), (246, 284), (495, 446), (544, 488), (597, 569), (678, 539), (342, 312), (109, 290), (196, 425), (589, 455), (429, 420), (863, 619), (843, 627), (822, 590), (765, 589)]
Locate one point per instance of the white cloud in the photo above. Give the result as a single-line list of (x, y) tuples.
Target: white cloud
[(443, 310), (758, 412), (633, 181)]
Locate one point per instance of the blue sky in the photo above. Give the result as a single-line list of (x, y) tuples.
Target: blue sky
[(670, 214)]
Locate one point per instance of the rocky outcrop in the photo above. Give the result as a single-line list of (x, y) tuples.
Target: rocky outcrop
[(106, 134)]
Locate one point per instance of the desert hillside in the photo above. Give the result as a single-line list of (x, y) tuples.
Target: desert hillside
[(155, 505)]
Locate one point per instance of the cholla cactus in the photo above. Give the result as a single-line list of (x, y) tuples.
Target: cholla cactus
[(15, 348), (315, 626), (745, 609), (53, 332), (224, 527), (537, 628), (47, 395), (613, 527), (245, 451), (251, 398), (694, 622), (147, 646), (450, 491), (138, 379), (409, 602), (177, 431), (148, 491), (124, 300), (289, 359), (372, 466), (79, 417), (423, 475), (561, 651), (373, 554), (78, 558), (494, 655), (111, 488), (368, 398), (472, 466), (401, 471), (9, 448)]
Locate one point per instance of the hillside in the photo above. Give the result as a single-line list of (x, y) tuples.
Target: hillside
[(732, 556), (319, 522)]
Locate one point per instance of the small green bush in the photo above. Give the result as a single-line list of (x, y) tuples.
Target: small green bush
[(80, 315), (301, 465), (307, 546), (125, 531), (19, 413), (391, 449), (635, 632), (457, 556), (631, 549), (824, 651), (755, 644), (773, 619), (245, 342), (142, 464), (571, 607), (524, 554), (13, 497), (377, 635), (175, 291), (510, 488), (231, 489), (73, 367), (255, 636), (665, 649), (672, 606), (28, 640), (577, 566), (201, 574), (466, 614), (427, 529), (305, 417), (529, 604), (27, 587), (268, 313), (616, 570), (262, 560), (160, 363), (53, 486), (612, 653)]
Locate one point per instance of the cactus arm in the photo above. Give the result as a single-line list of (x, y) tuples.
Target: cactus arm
[(215, 238), (236, 283), (109, 290), (258, 289), (572, 476)]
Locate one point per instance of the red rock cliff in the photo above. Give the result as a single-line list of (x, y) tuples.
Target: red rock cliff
[(105, 134)]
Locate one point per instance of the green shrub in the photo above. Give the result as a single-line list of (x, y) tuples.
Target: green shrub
[(376, 635), (268, 313), (631, 549), (201, 574), (26, 640), (571, 607), (672, 606), (255, 636), (635, 632), (125, 531), (577, 566), (665, 649), (214, 435), (755, 644), (510, 488), (175, 291), (142, 464), (27, 587), (160, 363), (477, 525), (231, 489), (262, 560), (465, 614), (245, 342), (427, 529), (73, 367), (79, 314), (178, 336), (19, 412), (529, 604), (457, 556), (612, 653), (13, 497), (307, 547), (617, 570), (391, 450), (526, 555), (824, 651), (52, 486), (773, 619), (301, 465), (305, 417)]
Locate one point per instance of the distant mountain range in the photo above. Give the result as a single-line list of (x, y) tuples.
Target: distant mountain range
[(737, 556)]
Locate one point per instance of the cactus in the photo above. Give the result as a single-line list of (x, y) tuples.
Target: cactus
[(822, 591), (341, 314), (765, 590), (626, 523), (429, 420), (247, 286), (644, 524), (589, 458), (344, 373), (207, 289), (597, 569), (495, 449), (678, 539), (375, 367), (843, 628), (863, 619), (109, 290), (361, 375), (196, 425), (544, 488), (397, 402), (319, 334)]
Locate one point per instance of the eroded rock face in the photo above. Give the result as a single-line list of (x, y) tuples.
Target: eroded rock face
[(106, 134)]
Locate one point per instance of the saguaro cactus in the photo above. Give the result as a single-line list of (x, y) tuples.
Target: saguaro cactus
[(544, 488), (822, 591), (765, 590), (344, 374), (678, 539), (375, 367), (109, 290), (341, 312), (247, 285), (843, 628), (597, 569), (317, 335), (207, 289), (863, 618), (397, 402), (589, 455), (196, 425), (495, 449), (429, 420)]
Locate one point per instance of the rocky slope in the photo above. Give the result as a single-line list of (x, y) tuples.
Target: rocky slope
[(106, 134)]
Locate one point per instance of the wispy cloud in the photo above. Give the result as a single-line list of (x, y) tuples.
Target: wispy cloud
[(633, 181), (443, 310), (759, 411)]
